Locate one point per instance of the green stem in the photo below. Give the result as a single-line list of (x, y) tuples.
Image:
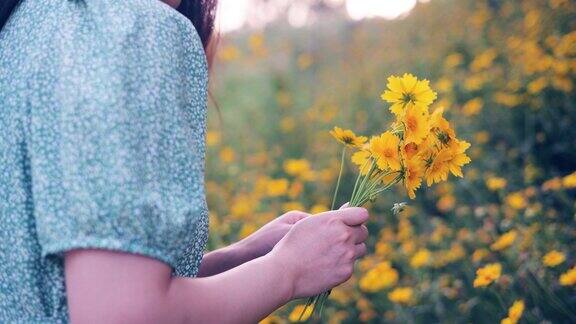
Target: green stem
[(366, 196), (554, 301), (339, 178), (308, 303), (499, 299), (353, 201), (373, 184), (358, 180)]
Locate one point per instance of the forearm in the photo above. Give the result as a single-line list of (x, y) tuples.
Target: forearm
[(244, 294), (111, 287), (226, 258)]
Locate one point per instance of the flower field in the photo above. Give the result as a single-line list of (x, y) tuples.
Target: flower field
[(497, 244)]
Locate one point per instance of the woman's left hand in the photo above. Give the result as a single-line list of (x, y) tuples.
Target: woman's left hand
[(256, 245), (264, 239)]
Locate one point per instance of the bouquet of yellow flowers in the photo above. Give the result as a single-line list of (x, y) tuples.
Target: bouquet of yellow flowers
[(419, 146)]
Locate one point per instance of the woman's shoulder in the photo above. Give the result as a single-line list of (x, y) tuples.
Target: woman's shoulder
[(63, 28), (143, 15), (102, 51), (150, 25)]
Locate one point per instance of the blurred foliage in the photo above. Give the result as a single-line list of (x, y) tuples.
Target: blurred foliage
[(505, 73)]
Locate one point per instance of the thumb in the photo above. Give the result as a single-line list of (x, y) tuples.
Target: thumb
[(346, 205)]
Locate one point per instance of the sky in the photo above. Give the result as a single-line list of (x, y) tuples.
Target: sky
[(232, 13)]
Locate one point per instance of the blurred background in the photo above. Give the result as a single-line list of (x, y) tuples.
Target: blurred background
[(286, 72)]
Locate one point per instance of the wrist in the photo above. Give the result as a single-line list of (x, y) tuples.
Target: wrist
[(247, 249), (286, 274)]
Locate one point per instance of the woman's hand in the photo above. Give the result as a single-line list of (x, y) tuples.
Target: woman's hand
[(319, 252), (252, 247), (264, 239)]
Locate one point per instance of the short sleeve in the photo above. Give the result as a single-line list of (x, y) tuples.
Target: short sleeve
[(116, 138)]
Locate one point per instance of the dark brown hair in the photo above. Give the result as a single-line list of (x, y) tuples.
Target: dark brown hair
[(6, 9)]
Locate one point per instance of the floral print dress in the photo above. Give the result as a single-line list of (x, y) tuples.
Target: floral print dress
[(102, 126)]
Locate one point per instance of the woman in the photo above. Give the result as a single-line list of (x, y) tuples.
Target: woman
[(102, 209)]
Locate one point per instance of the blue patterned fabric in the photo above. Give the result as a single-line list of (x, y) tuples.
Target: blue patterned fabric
[(102, 126)]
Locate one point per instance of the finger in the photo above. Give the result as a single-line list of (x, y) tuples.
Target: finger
[(353, 216), (360, 250), (360, 233), (345, 205), (295, 216)]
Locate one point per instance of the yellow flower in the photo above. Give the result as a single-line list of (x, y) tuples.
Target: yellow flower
[(504, 241), (246, 230), (553, 258), (297, 311), (487, 274), (514, 313), (441, 127), (295, 189), (277, 187), (472, 107), (402, 295), (229, 53), (507, 99), (438, 169), (483, 60), (446, 203), (450, 159), (385, 149), (569, 277), (496, 183), (516, 200), (299, 168), (453, 60), (383, 249), (458, 158), (410, 150), (482, 137), (212, 138), (256, 44), (380, 277), (360, 159), (420, 259), (537, 85), (553, 184), (416, 124), (413, 173), (407, 90), (347, 137), (242, 207), (227, 155), (569, 181)]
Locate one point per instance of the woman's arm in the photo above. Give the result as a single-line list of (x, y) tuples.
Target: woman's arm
[(317, 254), (256, 245), (110, 287)]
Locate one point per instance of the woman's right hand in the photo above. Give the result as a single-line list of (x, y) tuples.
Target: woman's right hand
[(319, 252)]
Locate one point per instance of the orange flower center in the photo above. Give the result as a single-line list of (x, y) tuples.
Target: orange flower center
[(388, 153), (411, 123)]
